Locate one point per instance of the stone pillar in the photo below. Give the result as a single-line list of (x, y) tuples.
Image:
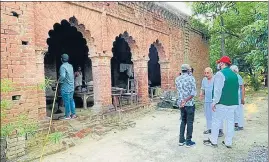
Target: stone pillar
[(101, 81), (165, 70), (141, 75)]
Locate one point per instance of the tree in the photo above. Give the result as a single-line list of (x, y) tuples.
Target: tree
[(244, 25), (213, 11)]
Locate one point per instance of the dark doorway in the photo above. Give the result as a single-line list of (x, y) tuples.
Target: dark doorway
[(154, 71), (65, 38), (121, 64)]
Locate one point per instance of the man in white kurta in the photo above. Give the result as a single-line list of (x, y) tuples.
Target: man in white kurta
[(239, 112), (225, 101)]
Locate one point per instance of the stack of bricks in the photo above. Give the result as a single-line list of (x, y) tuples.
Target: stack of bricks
[(3, 150), (15, 147)]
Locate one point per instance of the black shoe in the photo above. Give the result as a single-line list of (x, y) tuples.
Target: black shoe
[(207, 131), (190, 144), (223, 143), (238, 128), (221, 134), (209, 143)]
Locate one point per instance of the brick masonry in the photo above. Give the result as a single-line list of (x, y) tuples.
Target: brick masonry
[(15, 147), (23, 41)]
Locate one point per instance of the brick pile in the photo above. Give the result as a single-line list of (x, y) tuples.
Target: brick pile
[(15, 147)]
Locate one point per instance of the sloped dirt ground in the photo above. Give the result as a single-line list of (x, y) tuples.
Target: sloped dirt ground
[(155, 139)]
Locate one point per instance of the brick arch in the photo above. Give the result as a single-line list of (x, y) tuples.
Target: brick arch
[(131, 42), (47, 14), (160, 49), (86, 34)]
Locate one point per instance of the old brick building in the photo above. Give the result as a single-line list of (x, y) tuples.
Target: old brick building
[(26, 27)]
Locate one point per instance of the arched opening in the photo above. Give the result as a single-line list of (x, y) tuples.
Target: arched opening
[(121, 63), (154, 70), (65, 38)]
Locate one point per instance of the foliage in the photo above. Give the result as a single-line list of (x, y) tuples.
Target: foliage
[(4, 106), (245, 30), (22, 124), (25, 125), (55, 137), (6, 86), (46, 84), (255, 38), (253, 81), (196, 24)]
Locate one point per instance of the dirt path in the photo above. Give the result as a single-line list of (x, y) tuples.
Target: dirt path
[(155, 139)]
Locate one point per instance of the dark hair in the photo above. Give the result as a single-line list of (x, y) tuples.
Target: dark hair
[(64, 60), (192, 70), (65, 57)]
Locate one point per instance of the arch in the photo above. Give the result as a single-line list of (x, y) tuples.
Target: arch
[(154, 69), (131, 42), (123, 48), (160, 49), (69, 37), (86, 33)]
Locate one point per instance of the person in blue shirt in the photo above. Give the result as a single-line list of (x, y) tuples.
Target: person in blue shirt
[(206, 95), (239, 113), (66, 81)]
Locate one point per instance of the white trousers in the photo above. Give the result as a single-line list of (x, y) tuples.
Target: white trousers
[(208, 115), (223, 113), (239, 115)]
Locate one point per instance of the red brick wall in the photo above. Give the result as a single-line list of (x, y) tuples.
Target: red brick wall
[(19, 62), (176, 55), (23, 64), (198, 56)]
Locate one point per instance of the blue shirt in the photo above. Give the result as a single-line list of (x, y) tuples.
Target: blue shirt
[(207, 87), (67, 78), (186, 87)]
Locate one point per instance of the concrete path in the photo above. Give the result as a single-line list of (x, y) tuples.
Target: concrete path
[(155, 139)]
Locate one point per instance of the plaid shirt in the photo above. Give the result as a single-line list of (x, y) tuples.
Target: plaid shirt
[(186, 87)]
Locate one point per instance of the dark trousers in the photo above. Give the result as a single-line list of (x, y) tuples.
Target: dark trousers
[(187, 118)]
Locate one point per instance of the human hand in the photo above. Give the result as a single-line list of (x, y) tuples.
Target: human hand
[(182, 104), (213, 107)]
